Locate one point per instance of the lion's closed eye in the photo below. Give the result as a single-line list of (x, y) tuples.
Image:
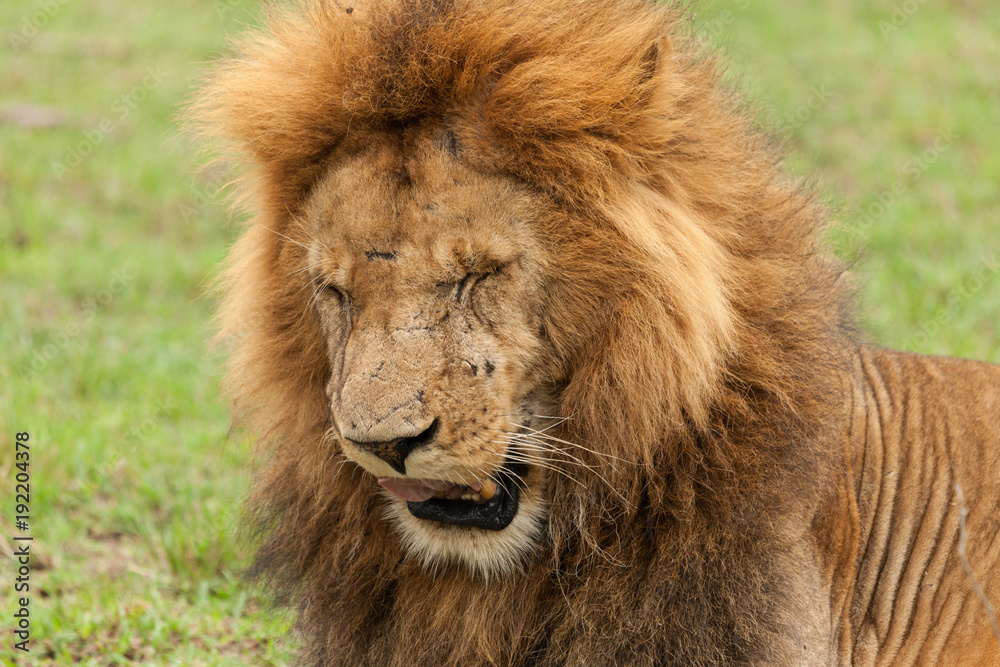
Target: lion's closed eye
[(462, 289), (466, 284), (329, 291)]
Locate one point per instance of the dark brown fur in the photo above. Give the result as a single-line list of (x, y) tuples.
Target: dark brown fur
[(726, 398)]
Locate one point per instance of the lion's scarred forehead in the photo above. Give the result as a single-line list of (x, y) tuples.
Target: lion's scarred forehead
[(410, 210)]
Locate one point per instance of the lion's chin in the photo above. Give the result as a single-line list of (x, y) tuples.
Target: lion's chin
[(440, 534)]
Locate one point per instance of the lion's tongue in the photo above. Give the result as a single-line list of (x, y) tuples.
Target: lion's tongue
[(417, 490)]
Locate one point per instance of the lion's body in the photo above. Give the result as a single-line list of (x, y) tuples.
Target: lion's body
[(530, 254), (918, 426)]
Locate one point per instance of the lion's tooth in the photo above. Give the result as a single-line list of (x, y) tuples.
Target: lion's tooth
[(489, 489), (476, 497), (466, 496)]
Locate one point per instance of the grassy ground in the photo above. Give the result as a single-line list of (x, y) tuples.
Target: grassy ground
[(107, 240)]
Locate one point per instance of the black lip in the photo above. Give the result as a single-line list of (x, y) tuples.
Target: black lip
[(493, 515)]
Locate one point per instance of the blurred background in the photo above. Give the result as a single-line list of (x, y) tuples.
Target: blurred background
[(110, 235)]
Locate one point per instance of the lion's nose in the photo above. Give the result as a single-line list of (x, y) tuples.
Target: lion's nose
[(395, 451)]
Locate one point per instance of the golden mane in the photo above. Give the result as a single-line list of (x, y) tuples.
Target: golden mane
[(698, 320)]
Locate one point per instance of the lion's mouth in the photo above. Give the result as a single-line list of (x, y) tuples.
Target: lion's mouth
[(490, 505)]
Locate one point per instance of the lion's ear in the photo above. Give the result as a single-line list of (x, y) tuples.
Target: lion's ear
[(657, 56)]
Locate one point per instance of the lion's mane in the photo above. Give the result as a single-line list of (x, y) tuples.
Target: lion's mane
[(698, 322)]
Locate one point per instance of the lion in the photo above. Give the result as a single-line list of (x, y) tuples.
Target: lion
[(547, 361)]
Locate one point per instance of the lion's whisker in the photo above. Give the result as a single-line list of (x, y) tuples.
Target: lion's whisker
[(547, 428), (283, 236), (308, 267), (520, 445), (546, 447), (528, 457), (542, 434), (531, 460)]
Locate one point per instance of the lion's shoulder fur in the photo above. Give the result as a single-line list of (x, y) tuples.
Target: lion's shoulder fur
[(721, 372)]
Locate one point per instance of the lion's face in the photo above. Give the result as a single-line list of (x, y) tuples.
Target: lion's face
[(429, 288)]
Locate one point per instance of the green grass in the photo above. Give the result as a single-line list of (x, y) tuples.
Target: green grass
[(860, 101), (136, 483)]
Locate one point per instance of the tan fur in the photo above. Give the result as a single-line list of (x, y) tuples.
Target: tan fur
[(488, 213)]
